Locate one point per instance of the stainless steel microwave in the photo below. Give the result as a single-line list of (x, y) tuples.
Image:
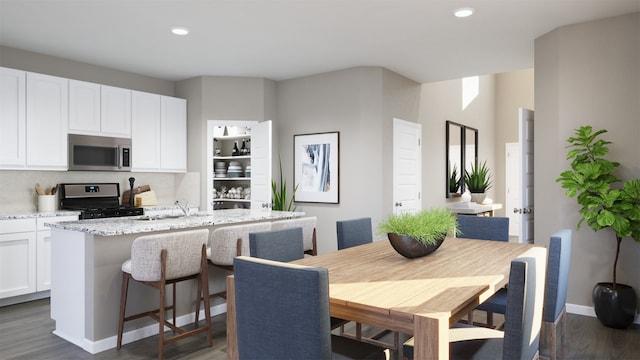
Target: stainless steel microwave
[(100, 153)]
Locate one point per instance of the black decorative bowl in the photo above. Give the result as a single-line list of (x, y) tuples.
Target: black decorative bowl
[(410, 247)]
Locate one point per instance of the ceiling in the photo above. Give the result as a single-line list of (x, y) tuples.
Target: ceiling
[(284, 39)]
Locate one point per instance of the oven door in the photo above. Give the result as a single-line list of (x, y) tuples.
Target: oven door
[(99, 153)]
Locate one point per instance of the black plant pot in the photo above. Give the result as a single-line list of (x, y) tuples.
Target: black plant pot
[(615, 308), (410, 247)]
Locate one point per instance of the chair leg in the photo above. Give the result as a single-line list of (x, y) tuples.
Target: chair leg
[(123, 303), (163, 291), (173, 305), (470, 318), (203, 285), (490, 319)]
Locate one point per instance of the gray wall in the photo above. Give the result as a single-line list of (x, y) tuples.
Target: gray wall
[(587, 74), (221, 98), (441, 101), (360, 103)]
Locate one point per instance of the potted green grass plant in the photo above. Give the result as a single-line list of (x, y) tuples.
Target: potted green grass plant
[(478, 181), (605, 203), (418, 234)]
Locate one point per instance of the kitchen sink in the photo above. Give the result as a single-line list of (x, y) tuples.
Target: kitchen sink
[(163, 217)]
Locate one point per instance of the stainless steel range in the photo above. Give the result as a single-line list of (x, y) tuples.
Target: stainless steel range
[(95, 200)]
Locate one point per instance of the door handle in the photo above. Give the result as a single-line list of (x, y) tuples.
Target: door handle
[(398, 204), (522, 211)]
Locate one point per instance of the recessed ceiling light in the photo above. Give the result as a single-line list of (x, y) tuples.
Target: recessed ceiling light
[(180, 30), (463, 12)]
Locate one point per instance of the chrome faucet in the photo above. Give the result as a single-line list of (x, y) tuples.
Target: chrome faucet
[(184, 208)]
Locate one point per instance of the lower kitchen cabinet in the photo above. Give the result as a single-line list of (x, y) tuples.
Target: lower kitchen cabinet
[(25, 255), (17, 257)]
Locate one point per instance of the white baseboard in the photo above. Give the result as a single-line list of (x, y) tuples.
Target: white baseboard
[(588, 311), (95, 347)]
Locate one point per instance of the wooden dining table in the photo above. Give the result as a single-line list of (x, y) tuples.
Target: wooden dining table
[(373, 284)]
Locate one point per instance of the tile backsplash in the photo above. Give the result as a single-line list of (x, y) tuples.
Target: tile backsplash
[(17, 188)]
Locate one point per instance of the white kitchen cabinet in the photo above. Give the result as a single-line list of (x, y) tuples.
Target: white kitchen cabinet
[(25, 255), (173, 133), (84, 108), (43, 250), (228, 189), (47, 114), (17, 257), (145, 131), (159, 133), (12, 119), (115, 111)]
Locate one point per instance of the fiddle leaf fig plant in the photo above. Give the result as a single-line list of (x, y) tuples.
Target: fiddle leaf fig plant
[(591, 181)]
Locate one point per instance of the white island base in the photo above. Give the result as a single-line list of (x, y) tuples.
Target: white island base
[(86, 276)]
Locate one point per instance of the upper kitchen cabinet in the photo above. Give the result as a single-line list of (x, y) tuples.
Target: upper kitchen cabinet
[(100, 110), (173, 133), (159, 133), (145, 131), (12, 119), (115, 111), (47, 114), (84, 108)]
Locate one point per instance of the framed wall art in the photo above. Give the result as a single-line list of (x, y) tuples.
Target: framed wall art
[(316, 167)]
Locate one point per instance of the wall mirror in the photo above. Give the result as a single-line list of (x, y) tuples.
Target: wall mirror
[(461, 153)]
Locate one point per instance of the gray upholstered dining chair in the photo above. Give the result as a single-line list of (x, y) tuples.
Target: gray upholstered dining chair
[(308, 225), (353, 232), (521, 336), (161, 259), (350, 233), (483, 228), (282, 312), (555, 294), (279, 245)]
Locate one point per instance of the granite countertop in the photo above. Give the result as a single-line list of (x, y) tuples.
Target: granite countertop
[(35, 214), (142, 224)]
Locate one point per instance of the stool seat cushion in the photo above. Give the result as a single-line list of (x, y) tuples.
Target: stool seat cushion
[(126, 266)]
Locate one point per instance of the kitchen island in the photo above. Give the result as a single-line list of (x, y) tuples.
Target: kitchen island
[(87, 256)]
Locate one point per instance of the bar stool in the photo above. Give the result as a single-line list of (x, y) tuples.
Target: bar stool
[(161, 259), (227, 242)]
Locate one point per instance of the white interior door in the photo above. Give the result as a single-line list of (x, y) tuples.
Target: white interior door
[(513, 178), (407, 166), (526, 210), (261, 167)]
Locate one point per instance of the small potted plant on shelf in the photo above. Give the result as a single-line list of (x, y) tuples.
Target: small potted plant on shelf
[(279, 193), (478, 181), (604, 206), (418, 234), (454, 181)]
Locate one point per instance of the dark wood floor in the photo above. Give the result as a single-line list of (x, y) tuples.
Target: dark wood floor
[(25, 333)]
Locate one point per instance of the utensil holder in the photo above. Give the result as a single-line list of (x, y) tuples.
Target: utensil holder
[(46, 203)]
